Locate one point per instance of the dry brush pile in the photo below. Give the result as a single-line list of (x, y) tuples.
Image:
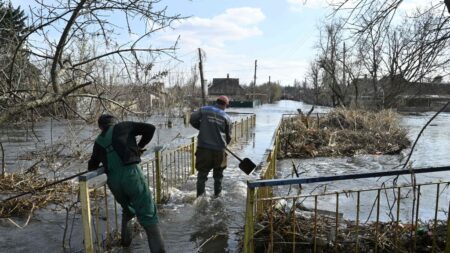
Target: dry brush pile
[(278, 229), (24, 206), (342, 132)]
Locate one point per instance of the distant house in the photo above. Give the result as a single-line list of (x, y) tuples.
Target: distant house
[(396, 91), (225, 86)]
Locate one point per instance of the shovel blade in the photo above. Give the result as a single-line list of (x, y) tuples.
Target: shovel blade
[(247, 166)]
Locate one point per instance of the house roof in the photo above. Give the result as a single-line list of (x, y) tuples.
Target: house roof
[(225, 86)]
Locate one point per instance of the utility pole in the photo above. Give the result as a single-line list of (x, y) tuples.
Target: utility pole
[(254, 81), (270, 92), (202, 81)]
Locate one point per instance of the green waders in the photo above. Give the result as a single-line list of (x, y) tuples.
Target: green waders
[(129, 187)]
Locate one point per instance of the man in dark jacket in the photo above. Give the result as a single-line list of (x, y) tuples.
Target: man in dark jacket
[(117, 149), (214, 127)]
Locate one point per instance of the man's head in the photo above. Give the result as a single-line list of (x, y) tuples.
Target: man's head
[(223, 101), (106, 120)]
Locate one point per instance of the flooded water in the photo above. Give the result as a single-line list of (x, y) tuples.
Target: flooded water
[(431, 150), (206, 224)]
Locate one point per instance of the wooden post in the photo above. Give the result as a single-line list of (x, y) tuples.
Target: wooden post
[(86, 217), (202, 80), (158, 176)]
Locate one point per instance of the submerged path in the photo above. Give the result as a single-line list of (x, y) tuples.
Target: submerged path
[(208, 224)]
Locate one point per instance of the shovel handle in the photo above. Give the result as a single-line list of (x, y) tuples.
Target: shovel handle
[(229, 151)]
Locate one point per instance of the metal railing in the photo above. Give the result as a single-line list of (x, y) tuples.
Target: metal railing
[(168, 168), (392, 223), (278, 221), (171, 168), (98, 212), (242, 127)]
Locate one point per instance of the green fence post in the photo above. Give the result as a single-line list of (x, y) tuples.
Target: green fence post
[(192, 155), (86, 216), (249, 221), (158, 176)]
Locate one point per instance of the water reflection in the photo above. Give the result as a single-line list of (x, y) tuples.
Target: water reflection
[(210, 225)]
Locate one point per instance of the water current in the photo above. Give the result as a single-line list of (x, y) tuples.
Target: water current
[(205, 224)]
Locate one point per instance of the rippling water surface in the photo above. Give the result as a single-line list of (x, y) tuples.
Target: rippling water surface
[(209, 224)]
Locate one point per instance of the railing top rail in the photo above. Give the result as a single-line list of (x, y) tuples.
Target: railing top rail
[(246, 113), (298, 114), (91, 175), (277, 182), (351, 191)]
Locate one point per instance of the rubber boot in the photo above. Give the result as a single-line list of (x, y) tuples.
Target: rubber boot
[(202, 177), (218, 176), (155, 240), (217, 188), (126, 232)]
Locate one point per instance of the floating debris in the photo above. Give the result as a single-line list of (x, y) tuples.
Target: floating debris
[(342, 132)]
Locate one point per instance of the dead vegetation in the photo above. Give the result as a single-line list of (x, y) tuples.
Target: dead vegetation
[(24, 206), (284, 230), (342, 132)]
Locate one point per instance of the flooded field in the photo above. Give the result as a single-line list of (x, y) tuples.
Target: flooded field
[(205, 224)]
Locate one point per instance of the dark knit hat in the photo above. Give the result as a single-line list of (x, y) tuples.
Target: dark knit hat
[(106, 120)]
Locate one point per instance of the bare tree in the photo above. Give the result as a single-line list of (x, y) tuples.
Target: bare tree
[(428, 29), (70, 42), (369, 47), (413, 53), (329, 61), (314, 75)]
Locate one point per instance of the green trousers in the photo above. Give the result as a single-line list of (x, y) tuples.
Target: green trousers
[(130, 189)]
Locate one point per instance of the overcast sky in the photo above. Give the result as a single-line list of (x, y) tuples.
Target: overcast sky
[(280, 34)]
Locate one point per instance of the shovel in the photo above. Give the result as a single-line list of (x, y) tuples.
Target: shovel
[(245, 165)]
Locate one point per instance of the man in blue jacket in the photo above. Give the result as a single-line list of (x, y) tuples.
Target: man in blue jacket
[(214, 127), (117, 149)]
